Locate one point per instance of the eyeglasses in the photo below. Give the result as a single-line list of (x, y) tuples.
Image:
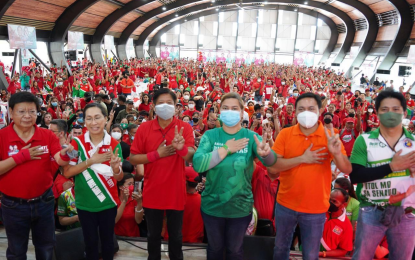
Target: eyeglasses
[(212, 120), (32, 113)]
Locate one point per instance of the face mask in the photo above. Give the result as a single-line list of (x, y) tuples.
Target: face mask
[(124, 125), (80, 120), (268, 115), (333, 208), (230, 117), (191, 106), (327, 120), (307, 119), (351, 114), (195, 120), (165, 111), (116, 135), (91, 77), (60, 83), (247, 83), (88, 99), (55, 104), (282, 83), (135, 118), (259, 80), (130, 190), (390, 119), (295, 94), (370, 110), (356, 95), (132, 138), (186, 97)]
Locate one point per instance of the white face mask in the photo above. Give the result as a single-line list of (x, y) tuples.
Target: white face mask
[(282, 83), (268, 115), (307, 119), (191, 106), (370, 110), (116, 135), (247, 83), (165, 111), (259, 80), (186, 96)]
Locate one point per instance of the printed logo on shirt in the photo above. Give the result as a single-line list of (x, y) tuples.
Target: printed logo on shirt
[(219, 145), (408, 143), (44, 149), (337, 230), (347, 138), (373, 145), (13, 150)]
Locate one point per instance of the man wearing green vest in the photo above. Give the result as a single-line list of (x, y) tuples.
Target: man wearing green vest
[(381, 161)]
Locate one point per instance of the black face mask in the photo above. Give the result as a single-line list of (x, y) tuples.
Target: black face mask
[(356, 95), (195, 120), (88, 99), (333, 208), (351, 114), (327, 120), (338, 110)]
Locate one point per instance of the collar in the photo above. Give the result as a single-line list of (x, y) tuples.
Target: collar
[(319, 131), (14, 137), (106, 140), (156, 125), (375, 134), (342, 217)]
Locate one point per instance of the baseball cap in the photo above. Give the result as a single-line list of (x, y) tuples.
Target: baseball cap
[(191, 175), (130, 102), (349, 120)]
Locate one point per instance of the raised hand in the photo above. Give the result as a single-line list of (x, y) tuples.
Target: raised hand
[(68, 148), (333, 142), (115, 161), (178, 140), (137, 196), (236, 145), (111, 116), (311, 157), (164, 150), (124, 194), (262, 148)]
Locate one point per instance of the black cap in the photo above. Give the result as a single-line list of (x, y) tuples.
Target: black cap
[(130, 102)]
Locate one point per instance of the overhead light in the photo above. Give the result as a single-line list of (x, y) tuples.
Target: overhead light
[(177, 15), (164, 8), (217, 9), (185, 20), (213, 1), (306, 3), (295, 9)]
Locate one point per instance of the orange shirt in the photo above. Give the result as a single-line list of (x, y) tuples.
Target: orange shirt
[(129, 83), (306, 187)]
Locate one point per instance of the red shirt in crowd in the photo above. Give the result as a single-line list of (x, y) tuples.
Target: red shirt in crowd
[(126, 225), (165, 178), (32, 178), (192, 229), (337, 233)]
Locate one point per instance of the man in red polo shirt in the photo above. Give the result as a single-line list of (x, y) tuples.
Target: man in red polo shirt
[(163, 145), (26, 179), (349, 133), (127, 85)]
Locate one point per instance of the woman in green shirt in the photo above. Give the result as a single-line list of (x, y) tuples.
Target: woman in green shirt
[(352, 209), (227, 155)]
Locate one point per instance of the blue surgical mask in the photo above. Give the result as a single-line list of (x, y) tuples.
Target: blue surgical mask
[(295, 94), (230, 117), (80, 120), (55, 104), (135, 118), (132, 138)]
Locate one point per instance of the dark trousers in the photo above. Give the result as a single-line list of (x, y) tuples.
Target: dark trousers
[(21, 217), (225, 233), (104, 222), (174, 227)]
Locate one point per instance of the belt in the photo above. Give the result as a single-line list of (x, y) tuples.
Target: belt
[(21, 201), (407, 210)]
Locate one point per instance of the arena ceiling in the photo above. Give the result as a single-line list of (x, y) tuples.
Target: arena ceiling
[(383, 27)]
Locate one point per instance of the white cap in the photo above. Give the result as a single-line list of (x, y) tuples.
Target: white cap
[(265, 121), (200, 89)]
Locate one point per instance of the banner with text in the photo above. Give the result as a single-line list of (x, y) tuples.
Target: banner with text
[(22, 37)]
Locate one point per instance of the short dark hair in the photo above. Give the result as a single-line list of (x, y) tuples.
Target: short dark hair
[(23, 97), (257, 106), (60, 124), (131, 127), (116, 126), (91, 105), (317, 98), (296, 89), (122, 98), (390, 94), (163, 91), (328, 113)]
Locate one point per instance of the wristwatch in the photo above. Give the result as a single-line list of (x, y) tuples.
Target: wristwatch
[(227, 149)]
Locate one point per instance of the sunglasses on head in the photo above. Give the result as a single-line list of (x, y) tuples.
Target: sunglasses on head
[(77, 127)]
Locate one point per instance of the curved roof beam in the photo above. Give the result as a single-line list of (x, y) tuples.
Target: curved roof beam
[(372, 32), (402, 36), (4, 5), (62, 25), (108, 22), (342, 15), (128, 31), (333, 28)]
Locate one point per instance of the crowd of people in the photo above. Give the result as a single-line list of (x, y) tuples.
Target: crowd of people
[(192, 152)]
